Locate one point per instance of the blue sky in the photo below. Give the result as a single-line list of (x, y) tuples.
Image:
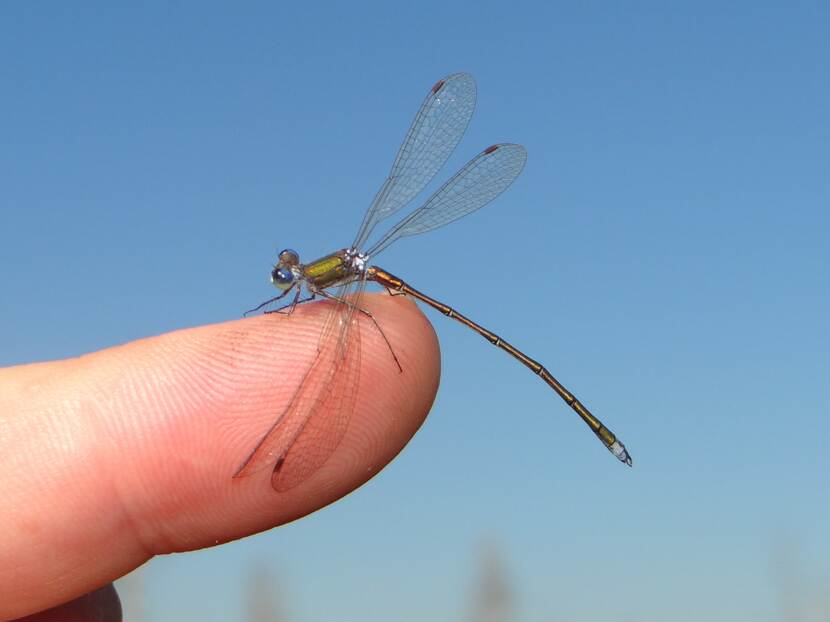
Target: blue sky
[(664, 254)]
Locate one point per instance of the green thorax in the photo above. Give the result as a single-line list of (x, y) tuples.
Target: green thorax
[(327, 271)]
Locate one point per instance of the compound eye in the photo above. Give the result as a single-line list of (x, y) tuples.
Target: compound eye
[(283, 278), (289, 257)]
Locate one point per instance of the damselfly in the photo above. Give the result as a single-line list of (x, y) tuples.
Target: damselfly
[(330, 384)]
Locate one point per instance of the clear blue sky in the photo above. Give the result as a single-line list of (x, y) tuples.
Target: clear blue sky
[(665, 253)]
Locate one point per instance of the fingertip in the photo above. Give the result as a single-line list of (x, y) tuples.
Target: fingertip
[(219, 389)]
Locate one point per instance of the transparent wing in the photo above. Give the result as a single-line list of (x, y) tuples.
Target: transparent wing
[(438, 126), (480, 181), (311, 427)]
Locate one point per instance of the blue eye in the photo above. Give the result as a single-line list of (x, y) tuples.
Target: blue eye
[(282, 277)]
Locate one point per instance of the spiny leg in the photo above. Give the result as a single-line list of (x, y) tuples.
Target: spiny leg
[(269, 301), (351, 305), (291, 305)]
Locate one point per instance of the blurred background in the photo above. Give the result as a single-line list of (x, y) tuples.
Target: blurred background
[(664, 253)]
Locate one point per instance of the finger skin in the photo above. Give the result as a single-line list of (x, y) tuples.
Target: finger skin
[(122, 454)]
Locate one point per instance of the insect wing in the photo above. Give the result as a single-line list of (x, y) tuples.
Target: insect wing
[(311, 427), (478, 182), (436, 130)]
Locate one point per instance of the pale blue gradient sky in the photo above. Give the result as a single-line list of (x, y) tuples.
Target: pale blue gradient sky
[(664, 253)]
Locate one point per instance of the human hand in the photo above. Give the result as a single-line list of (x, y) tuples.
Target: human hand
[(116, 456)]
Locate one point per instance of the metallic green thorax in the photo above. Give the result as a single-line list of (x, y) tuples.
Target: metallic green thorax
[(326, 271)]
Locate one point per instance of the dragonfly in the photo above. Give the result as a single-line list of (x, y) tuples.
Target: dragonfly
[(301, 438)]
